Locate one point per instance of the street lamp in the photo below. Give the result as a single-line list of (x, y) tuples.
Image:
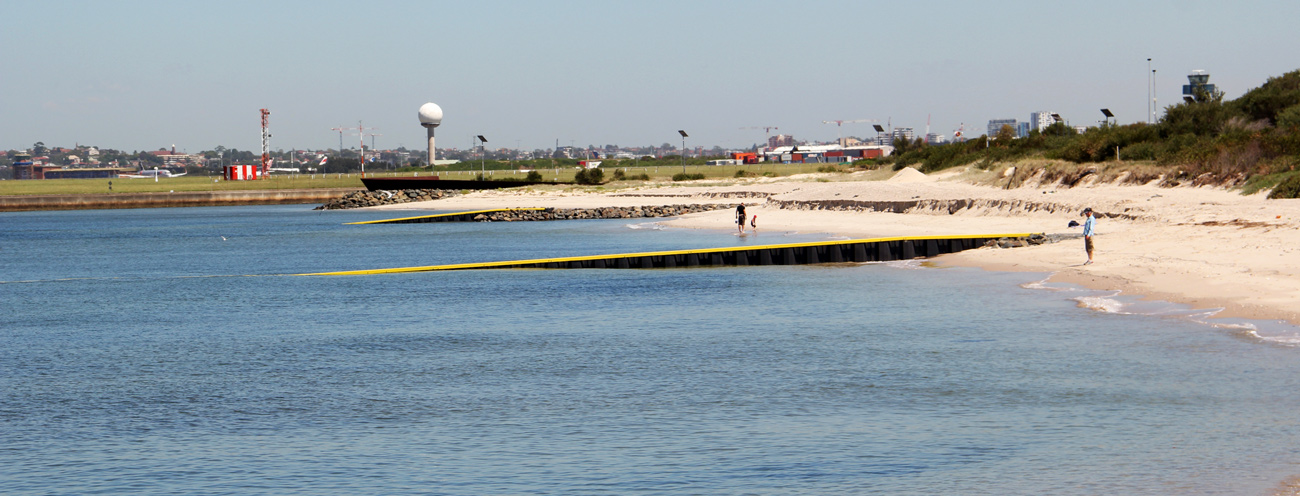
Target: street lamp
[(683, 133), (482, 150), (1150, 75)]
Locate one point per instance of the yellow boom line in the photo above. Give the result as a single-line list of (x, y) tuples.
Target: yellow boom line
[(491, 265)]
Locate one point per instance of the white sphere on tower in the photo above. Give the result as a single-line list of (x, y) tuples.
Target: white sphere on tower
[(430, 115)]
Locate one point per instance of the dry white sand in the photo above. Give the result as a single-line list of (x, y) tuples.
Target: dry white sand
[(1206, 247)]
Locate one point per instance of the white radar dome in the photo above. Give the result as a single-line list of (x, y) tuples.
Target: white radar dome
[(430, 114)]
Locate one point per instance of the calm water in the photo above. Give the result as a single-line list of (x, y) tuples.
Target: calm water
[(134, 359)]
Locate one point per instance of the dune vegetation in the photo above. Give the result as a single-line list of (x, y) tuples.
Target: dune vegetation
[(1252, 142)]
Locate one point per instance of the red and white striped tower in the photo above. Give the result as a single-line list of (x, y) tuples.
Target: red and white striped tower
[(266, 143)]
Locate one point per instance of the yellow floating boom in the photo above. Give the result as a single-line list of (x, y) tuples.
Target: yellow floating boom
[(854, 250)]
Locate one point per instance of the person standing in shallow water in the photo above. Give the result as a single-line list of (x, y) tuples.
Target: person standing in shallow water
[(740, 218), (1088, 224)]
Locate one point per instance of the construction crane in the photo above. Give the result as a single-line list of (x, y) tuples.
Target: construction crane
[(361, 133), (372, 141), (340, 130), (767, 132), (840, 123)]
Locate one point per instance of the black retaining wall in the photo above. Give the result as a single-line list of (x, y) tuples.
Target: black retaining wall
[(857, 252)]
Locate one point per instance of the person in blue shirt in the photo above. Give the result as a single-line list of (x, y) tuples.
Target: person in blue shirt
[(1088, 225)]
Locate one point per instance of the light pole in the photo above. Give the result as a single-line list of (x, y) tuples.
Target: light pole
[(1149, 112), (482, 154), (1155, 100), (683, 133)]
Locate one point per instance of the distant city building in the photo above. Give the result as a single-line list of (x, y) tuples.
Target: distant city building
[(1040, 120), (1022, 129), (935, 139), (173, 159), (564, 152), (902, 133), (995, 126), (780, 140), (24, 169)]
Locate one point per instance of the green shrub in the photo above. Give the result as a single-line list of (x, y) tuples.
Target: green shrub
[(744, 173), (589, 176), (1138, 151), (1288, 188), (1271, 99), (682, 176), (534, 176), (1289, 119)]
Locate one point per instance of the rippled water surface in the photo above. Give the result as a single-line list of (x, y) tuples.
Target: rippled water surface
[(136, 358)]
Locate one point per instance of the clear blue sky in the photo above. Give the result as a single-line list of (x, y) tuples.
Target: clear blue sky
[(138, 75)]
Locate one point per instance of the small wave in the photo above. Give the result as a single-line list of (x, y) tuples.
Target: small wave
[(653, 226), (905, 264), (1106, 304), (1244, 326), (1278, 333), (1273, 331), (1040, 284), (1282, 340)]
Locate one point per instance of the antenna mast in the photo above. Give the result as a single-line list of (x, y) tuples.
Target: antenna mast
[(266, 143)]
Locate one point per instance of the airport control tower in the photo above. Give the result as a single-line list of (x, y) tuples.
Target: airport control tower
[(1199, 84), (24, 168)]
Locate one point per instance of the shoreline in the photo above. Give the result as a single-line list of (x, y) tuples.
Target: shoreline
[(1207, 248), (28, 203)]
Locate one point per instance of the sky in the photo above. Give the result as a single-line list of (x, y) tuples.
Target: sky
[(137, 75)]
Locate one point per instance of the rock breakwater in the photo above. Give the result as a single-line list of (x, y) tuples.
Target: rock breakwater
[(361, 199), (598, 213)]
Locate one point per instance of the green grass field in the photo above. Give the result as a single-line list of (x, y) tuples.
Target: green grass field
[(316, 181)]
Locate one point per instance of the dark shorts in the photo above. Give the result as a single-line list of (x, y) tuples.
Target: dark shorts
[(1087, 244)]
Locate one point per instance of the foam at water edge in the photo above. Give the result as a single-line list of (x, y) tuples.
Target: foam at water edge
[(915, 263), (1106, 303), (1040, 284), (647, 225), (1250, 330), (1293, 340)]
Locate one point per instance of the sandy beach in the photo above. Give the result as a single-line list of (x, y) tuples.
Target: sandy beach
[(1210, 248)]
